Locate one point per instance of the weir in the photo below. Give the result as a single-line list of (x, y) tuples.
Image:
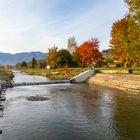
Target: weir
[(34, 83), (82, 77)]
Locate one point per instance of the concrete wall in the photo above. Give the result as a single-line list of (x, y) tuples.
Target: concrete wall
[(120, 81), (82, 77)]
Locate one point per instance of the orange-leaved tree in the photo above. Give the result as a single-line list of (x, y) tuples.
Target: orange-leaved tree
[(125, 42), (76, 57), (90, 54)]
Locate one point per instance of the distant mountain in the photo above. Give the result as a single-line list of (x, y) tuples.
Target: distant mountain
[(7, 58)]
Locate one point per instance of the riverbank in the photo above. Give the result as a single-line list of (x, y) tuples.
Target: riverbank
[(68, 73), (123, 79), (129, 82), (6, 75), (55, 74)]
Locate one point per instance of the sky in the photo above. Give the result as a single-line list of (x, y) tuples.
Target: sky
[(36, 25)]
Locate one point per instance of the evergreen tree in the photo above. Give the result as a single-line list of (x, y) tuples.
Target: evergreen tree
[(34, 62)]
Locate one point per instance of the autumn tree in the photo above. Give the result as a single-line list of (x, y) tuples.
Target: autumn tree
[(18, 66), (125, 42), (51, 58), (76, 57), (90, 54), (72, 44), (64, 58), (134, 9), (7, 66)]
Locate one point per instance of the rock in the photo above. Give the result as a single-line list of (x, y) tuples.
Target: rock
[(37, 98), (0, 131), (1, 107), (2, 98)]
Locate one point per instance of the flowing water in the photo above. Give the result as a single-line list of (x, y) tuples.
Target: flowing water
[(73, 112)]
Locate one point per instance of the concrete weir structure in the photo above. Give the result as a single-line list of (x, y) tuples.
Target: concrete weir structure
[(10, 85), (82, 77)]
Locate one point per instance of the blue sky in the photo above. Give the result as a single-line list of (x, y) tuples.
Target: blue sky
[(36, 25)]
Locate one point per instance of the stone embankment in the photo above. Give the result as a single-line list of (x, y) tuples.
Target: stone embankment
[(129, 82)]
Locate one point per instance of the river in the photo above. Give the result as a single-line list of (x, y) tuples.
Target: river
[(73, 112)]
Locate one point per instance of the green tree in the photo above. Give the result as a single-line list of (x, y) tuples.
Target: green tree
[(34, 62), (23, 64), (107, 57), (51, 58), (125, 42), (64, 58)]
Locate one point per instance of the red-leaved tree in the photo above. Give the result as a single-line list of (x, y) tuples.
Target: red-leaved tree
[(90, 54)]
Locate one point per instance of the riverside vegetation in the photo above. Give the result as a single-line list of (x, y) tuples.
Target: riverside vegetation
[(67, 73), (55, 74), (6, 74)]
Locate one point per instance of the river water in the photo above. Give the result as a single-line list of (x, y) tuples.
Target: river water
[(73, 112)]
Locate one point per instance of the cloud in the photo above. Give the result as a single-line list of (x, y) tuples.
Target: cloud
[(33, 25)]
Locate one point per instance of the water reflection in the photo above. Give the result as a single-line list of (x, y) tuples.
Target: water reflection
[(127, 116), (74, 111), (121, 112)]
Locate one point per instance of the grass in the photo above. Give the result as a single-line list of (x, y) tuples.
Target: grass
[(55, 74), (6, 74), (119, 70), (67, 73), (106, 68)]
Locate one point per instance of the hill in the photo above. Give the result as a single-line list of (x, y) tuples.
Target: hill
[(12, 59)]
